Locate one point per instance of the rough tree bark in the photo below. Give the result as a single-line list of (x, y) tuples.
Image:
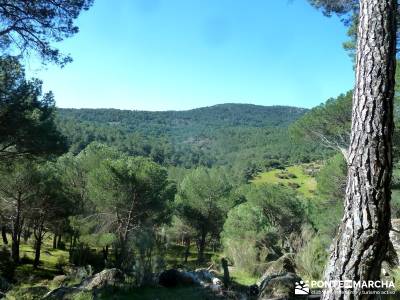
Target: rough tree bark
[(363, 236)]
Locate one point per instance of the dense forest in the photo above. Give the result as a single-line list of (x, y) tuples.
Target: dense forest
[(145, 192), (237, 136)]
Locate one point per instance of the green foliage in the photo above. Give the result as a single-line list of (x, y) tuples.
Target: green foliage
[(395, 204), (330, 7), (254, 230), (82, 255), (26, 116), (134, 188), (329, 123), (298, 177), (28, 293), (7, 266), (281, 206), (312, 258), (83, 296), (61, 263), (230, 135), (34, 26), (248, 238), (327, 210), (203, 202), (331, 179)]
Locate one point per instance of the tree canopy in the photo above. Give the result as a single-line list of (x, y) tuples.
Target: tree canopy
[(32, 26), (27, 124)]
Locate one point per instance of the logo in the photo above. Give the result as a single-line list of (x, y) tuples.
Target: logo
[(301, 288)]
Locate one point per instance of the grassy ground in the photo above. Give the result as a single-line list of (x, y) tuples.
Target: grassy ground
[(294, 176), (175, 257), (33, 283), (242, 277), (49, 259)]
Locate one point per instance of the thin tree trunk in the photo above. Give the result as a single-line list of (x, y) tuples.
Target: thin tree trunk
[(187, 248), (16, 233), (363, 235), (15, 248), (59, 240), (202, 245), (26, 234), (227, 278), (38, 246), (4, 235), (105, 253), (55, 241)]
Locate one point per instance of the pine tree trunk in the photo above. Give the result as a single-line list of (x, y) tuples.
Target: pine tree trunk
[(187, 249), (363, 236), (202, 246), (55, 241), (59, 239), (38, 246), (16, 232)]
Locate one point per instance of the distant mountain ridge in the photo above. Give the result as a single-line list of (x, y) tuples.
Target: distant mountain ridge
[(217, 116)]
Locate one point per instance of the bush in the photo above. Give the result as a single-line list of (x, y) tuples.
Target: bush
[(7, 266), (312, 258), (28, 293), (216, 261), (294, 185), (61, 263), (83, 296), (25, 260), (83, 256), (243, 254)]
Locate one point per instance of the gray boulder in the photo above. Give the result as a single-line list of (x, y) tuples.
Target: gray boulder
[(284, 264), (78, 272), (278, 286), (100, 280), (97, 281)]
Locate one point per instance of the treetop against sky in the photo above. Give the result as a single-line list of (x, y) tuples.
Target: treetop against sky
[(179, 54)]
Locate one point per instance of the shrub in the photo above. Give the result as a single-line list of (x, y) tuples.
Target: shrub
[(7, 266), (25, 260), (61, 263), (28, 293), (243, 254), (83, 256), (312, 258), (83, 296), (294, 185)]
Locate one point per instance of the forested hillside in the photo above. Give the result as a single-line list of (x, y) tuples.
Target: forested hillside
[(218, 135)]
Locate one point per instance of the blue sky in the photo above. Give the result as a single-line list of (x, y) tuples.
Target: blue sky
[(182, 54)]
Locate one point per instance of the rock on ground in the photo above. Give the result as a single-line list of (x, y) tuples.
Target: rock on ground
[(101, 279), (284, 264), (279, 286), (97, 281)]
